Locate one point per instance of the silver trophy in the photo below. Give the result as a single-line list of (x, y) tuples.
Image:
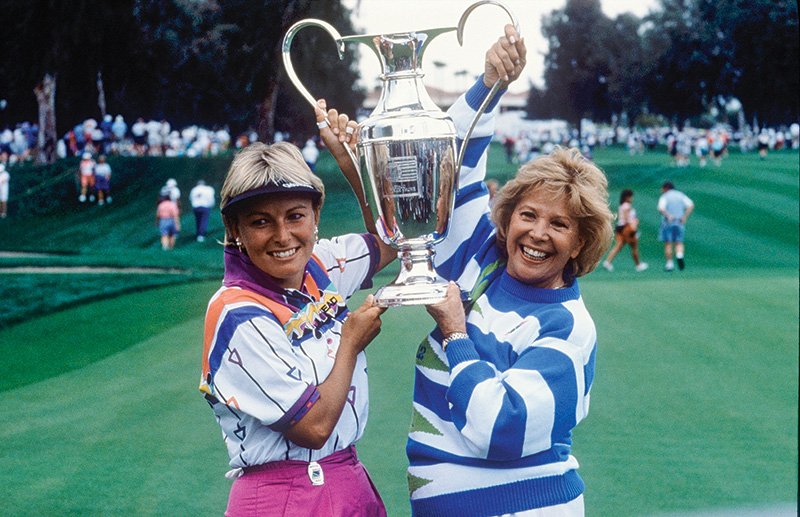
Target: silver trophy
[(406, 156)]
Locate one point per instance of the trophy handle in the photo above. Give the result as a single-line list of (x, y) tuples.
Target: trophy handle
[(351, 174), (497, 86), (287, 47)]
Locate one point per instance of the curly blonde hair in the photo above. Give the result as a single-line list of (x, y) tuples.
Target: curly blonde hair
[(564, 172)]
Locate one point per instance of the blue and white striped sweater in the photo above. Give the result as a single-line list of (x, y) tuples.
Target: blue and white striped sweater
[(492, 420)]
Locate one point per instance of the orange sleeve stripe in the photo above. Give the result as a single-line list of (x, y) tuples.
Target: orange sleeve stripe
[(230, 296)]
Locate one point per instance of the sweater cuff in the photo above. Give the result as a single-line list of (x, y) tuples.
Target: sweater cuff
[(460, 350), (478, 93)]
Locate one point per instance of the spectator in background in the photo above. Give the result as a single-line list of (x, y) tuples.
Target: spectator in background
[(310, 154), (154, 138), (4, 181), (171, 190), (88, 127), (86, 171), (794, 134), (71, 138), (98, 141), (626, 232), (105, 129), (6, 138), (718, 146), (675, 207), (102, 180), (119, 128), (202, 199), (508, 145), (701, 149), (763, 144), (168, 222), (139, 132)]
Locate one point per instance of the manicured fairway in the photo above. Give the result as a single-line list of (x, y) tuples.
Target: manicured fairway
[(694, 406), (693, 409)]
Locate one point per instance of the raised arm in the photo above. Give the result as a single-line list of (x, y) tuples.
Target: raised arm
[(503, 61), (339, 134)]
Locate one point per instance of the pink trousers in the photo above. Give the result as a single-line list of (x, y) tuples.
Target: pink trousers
[(285, 488)]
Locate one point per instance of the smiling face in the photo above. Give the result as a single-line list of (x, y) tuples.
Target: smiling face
[(541, 237), (278, 234)]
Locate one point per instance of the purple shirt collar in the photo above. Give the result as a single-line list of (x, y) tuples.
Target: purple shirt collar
[(241, 272)]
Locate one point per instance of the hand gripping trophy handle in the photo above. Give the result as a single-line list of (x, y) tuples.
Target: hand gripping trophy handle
[(350, 173), (406, 156), (499, 84)]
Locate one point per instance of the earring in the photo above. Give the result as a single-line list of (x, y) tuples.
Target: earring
[(238, 244), (316, 233)]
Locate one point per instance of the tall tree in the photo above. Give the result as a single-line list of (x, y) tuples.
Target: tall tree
[(220, 62), (577, 63), (627, 67), (72, 40), (46, 139), (189, 61), (687, 54), (762, 67)]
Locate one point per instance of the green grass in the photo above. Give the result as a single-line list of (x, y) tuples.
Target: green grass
[(694, 406)]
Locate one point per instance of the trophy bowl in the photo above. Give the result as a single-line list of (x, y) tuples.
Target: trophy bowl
[(407, 156)]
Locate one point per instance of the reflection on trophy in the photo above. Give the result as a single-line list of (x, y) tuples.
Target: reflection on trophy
[(406, 156)]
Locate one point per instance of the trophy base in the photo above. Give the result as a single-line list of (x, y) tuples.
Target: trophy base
[(418, 283), (395, 295)]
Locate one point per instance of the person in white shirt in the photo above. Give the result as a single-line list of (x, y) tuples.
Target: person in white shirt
[(310, 154), (675, 207), (4, 180), (202, 199)]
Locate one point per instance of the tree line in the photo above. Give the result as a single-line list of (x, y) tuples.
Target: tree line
[(204, 62), (685, 60), (219, 62)]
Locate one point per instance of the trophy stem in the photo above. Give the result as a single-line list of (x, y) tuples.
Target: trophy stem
[(417, 283)]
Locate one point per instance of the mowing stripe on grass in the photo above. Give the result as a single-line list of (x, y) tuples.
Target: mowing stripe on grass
[(41, 348)]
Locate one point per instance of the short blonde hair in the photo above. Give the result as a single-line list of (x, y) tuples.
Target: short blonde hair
[(259, 164), (564, 172)]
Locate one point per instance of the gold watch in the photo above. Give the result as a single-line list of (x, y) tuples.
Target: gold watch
[(451, 337)]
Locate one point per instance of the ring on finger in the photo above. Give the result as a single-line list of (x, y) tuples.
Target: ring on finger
[(323, 124), (349, 130)]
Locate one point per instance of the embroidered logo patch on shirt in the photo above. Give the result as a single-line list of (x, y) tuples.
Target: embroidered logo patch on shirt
[(315, 317)]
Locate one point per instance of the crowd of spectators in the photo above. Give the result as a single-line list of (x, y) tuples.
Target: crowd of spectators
[(114, 135), (681, 144)]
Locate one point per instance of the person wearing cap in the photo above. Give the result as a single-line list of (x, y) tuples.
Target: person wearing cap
[(171, 190), (86, 171), (283, 364)]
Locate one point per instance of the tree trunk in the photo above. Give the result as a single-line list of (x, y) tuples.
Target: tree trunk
[(46, 98), (101, 96), (293, 10), (266, 114)]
